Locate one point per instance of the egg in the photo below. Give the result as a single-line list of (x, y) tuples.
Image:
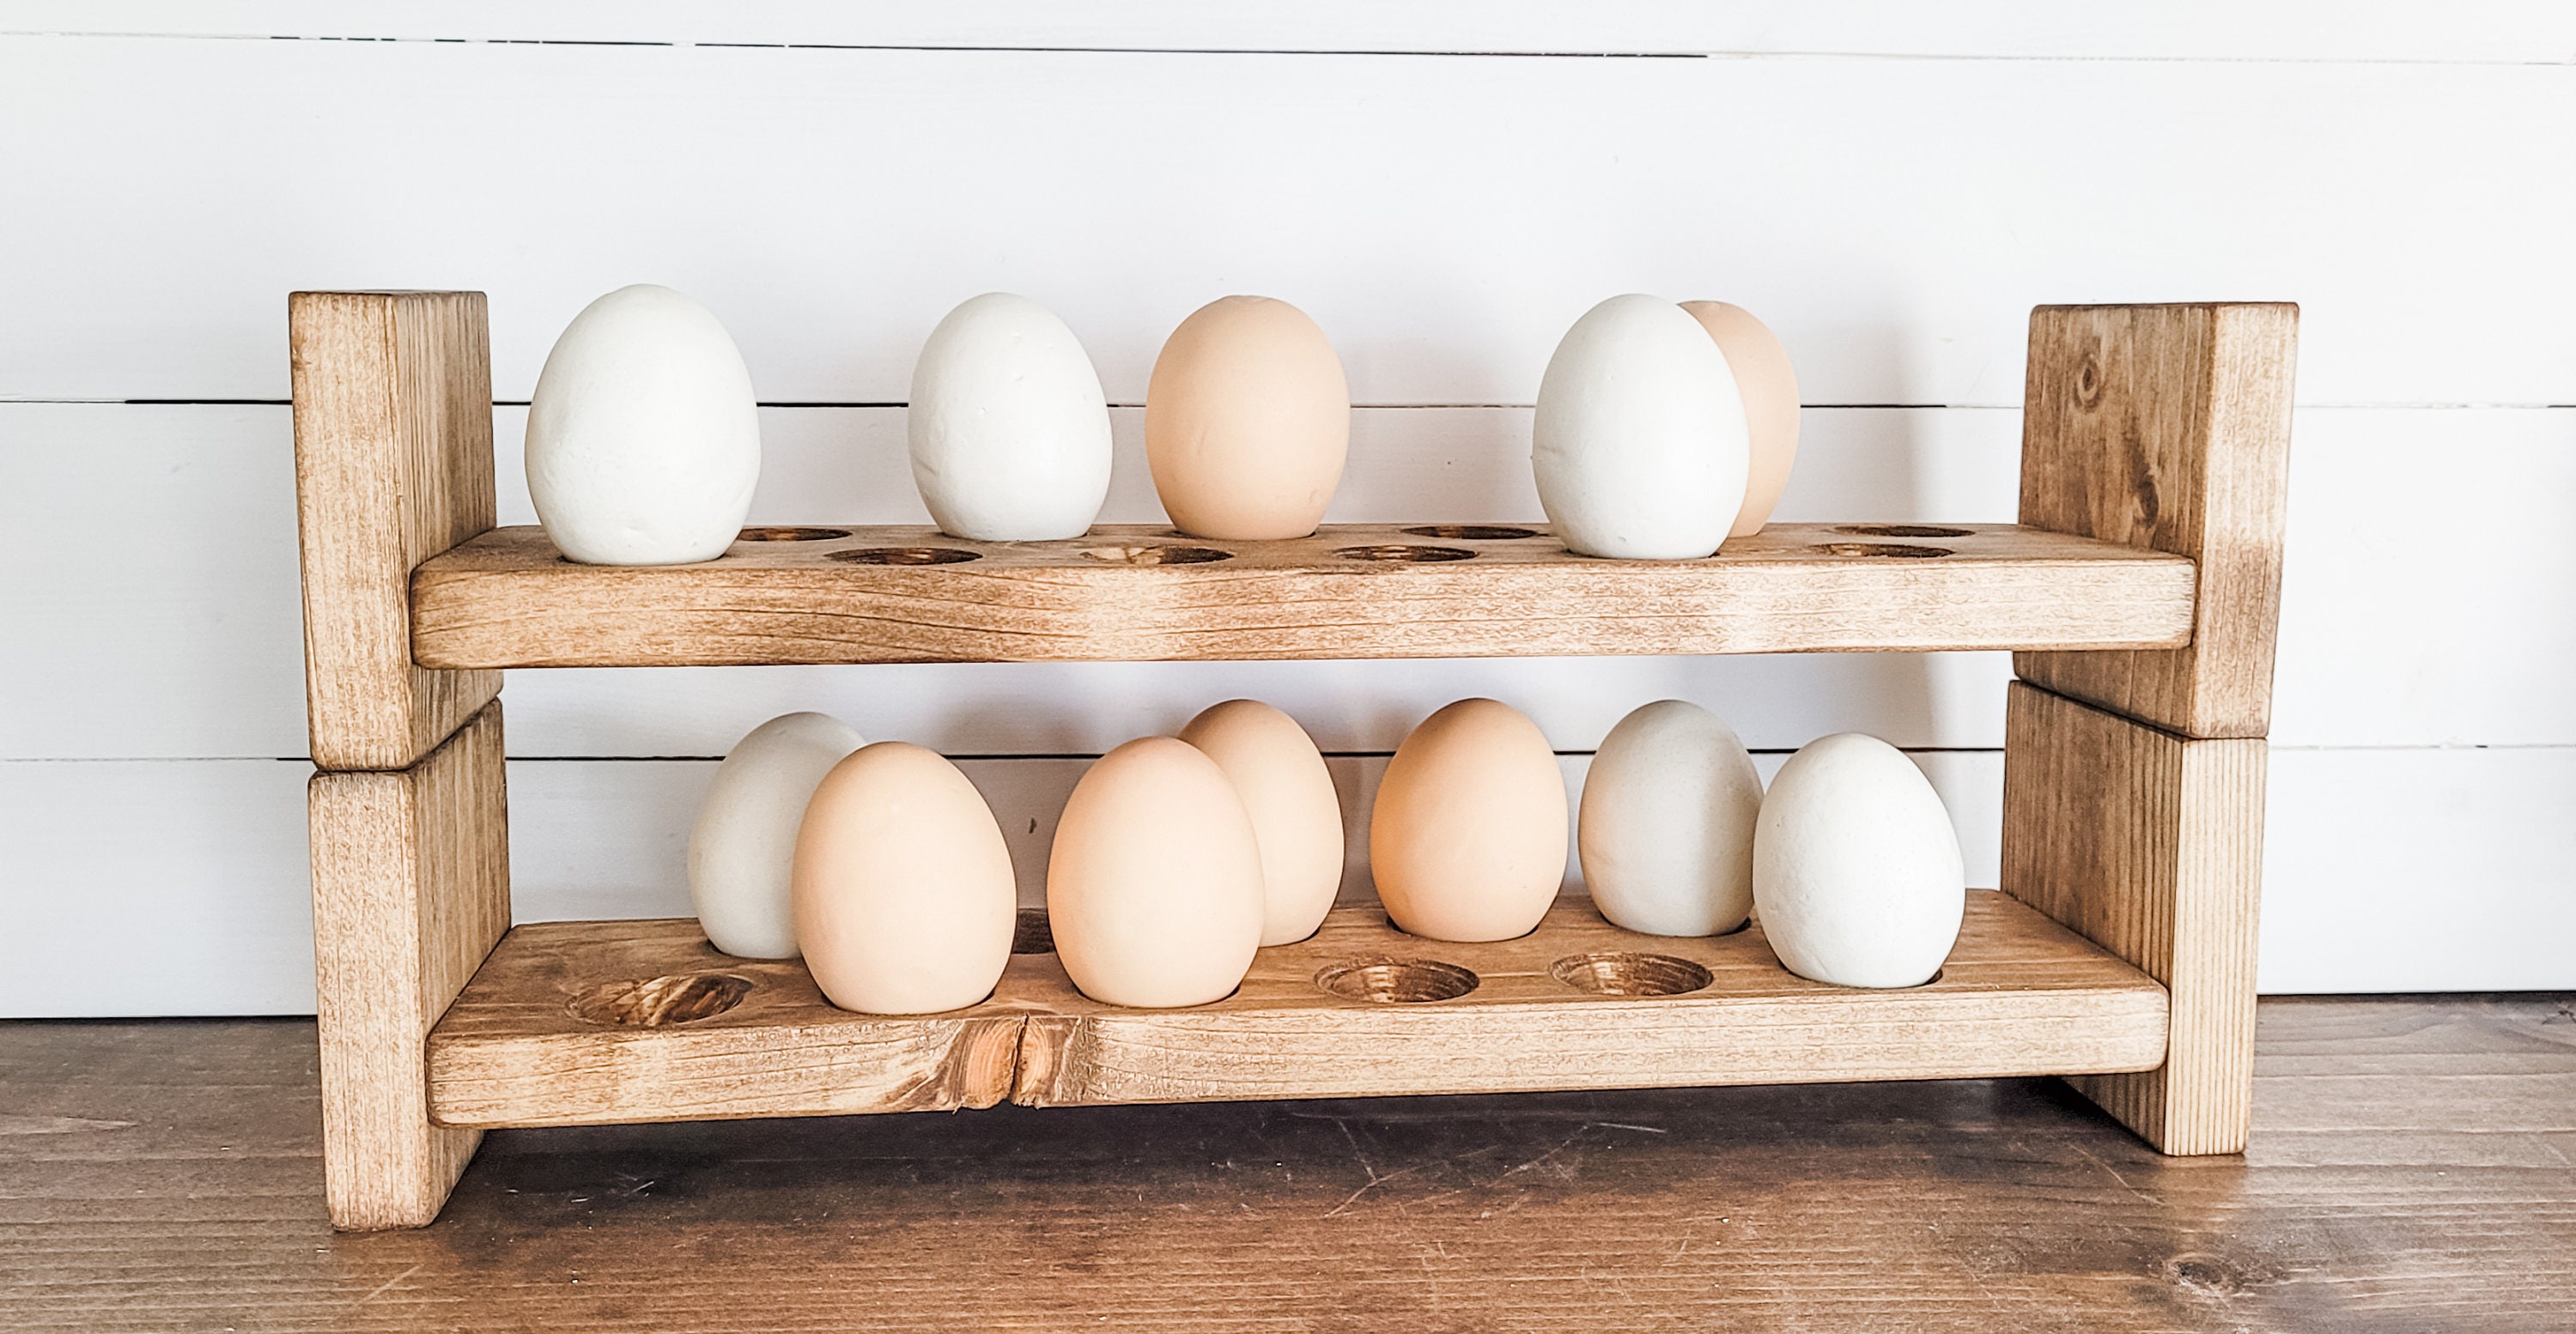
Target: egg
[(1639, 442), (1467, 838), (1009, 430), (744, 841), (903, 890), (1154, 883), (1856, 871), (1296, 814), (1665, 832), (1769, 388), (1247, 421), (643, 437)]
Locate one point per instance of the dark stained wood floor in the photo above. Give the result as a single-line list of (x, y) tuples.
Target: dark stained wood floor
[(2413, 1168)]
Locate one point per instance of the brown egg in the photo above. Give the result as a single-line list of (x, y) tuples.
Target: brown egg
[(1769, 387), (1247, 421), (1468, 837), (1296, 815), (1154, 884), (901, 888)]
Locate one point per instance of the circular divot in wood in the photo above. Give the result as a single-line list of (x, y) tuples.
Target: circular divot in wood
[(1624, 973), (660, 1002), (1401, 553), (790, 534), (1868, 550), (1394, 981), (1472, 532), (906, 556), (1901, 530), (1157, 555)]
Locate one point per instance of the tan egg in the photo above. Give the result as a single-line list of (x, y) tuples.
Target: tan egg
[(902, 887), (1769, 388), (1154, 884), (1296, 815), (1247, 421), (1467, 840)]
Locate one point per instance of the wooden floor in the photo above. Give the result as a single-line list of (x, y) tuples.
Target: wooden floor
[(2413, 1168)]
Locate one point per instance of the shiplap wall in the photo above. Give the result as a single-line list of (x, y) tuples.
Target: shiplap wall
[(1444, 187)]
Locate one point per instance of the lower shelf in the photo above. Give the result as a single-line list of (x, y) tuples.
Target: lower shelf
[(1358, 1010)]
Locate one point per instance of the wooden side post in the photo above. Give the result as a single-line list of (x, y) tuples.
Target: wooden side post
[(2133, 780), (411, 884), (393, 465), (411, 889)]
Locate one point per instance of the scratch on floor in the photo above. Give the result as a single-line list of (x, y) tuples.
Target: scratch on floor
[(381, 1287)]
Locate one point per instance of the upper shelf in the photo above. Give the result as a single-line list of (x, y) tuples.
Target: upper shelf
[(1127, 593)]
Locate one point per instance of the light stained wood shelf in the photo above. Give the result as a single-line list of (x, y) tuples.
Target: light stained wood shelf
[(2020, 995), (1140, 594)]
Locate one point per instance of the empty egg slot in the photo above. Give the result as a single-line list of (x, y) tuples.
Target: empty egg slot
[(660, 1002), (1157, 555), (1472, 532), (1900, 530), (1628, 973), (1392, 981), (790, 534), (1878, 550), (1402, 553), (906, 556)]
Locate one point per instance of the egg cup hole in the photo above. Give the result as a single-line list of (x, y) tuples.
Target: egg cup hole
[(1392, 981), (906, 556), (1627, 973), (1157, 555), (660, 1002), (1901, 530), (1030, 933), (790, 534), (1869, 550), (1401, 553), (1472, 532)]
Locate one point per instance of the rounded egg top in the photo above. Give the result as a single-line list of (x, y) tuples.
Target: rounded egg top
[(1639, 443), (1467, 836), (1768, 386), (1008, 428), (1247, 421), (1857, 876)]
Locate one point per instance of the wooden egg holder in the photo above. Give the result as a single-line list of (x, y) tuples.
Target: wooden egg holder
[(2139, 591)]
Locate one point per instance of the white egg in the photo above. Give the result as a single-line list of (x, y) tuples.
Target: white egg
[(1666, 828), (1009, 430), (744, 842), (1639, 442), (1856, 869), (643, 436)]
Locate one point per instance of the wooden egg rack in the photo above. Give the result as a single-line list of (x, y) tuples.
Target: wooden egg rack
[(2140, 592)]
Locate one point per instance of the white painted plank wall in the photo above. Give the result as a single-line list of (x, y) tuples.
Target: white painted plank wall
[(2403, 173)]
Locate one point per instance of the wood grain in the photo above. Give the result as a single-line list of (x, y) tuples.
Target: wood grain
[(393, 464), (2410, 1171), (411, 887), (2152, 846), (2020, 995), (511, 1051), (507, 599), (2168, 427)]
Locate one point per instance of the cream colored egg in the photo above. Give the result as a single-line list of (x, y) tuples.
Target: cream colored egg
[(1467, 839), (903, 891), (1154, 883), (1856, 870), (1769, 387), (643, 436), (1009, 432), (1666, 828), (1247, 421), (744, 841), (1638, 441), (1296, 814)]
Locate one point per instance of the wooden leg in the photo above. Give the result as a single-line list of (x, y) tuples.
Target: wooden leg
[(2150, 845), (411, 889)]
